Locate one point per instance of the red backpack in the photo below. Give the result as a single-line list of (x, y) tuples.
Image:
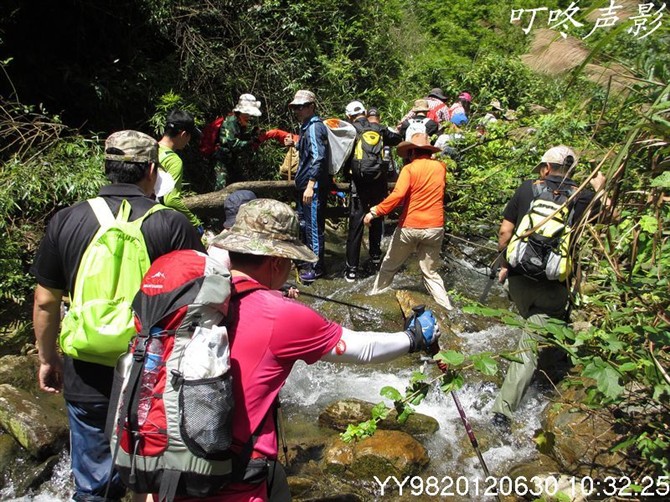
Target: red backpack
[(432, 114), (172, 404), (210, 136)]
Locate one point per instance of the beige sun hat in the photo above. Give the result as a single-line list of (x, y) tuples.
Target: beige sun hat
[(249, 105), (420, 105), (561, 154), (267, 227), (303, 97)]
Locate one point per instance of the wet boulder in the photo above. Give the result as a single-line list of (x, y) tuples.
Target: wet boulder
[(542, 477), (33, 476), (339, 414), (9, 449), (386, 453), (38, 425), (581, 439), (20, 372)]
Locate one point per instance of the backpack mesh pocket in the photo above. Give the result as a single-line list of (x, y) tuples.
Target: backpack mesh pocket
[(206, 416)]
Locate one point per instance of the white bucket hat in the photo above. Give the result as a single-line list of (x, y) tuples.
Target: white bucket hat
[(248, 105)]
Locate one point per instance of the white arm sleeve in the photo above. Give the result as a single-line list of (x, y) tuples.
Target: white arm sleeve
[(361, 347)]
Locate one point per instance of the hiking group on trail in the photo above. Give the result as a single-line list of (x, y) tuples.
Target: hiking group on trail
[(175, 355)]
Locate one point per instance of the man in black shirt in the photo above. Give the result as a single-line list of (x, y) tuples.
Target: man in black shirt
[(131, 164), (367, 189), (536, 299)]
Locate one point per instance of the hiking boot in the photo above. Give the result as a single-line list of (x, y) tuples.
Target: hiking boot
[(308, 276), (502, 423), (376, 262), (350, 275)]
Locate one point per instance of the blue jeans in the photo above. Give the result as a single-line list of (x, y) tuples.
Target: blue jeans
[(90, 454)]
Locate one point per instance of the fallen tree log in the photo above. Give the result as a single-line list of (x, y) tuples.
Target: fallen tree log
[(211, 204)]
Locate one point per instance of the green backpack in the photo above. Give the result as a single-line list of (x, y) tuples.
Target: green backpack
[(99, 323)]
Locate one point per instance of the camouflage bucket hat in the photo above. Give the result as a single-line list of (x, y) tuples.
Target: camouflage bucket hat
[(266, 227), (136, 147)]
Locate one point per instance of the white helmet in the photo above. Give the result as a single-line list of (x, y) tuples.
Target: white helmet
[(354, 108)]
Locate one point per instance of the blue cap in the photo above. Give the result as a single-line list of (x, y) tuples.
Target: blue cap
[(232, 205)]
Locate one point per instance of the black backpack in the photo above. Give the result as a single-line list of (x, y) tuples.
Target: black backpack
[(366, 160)]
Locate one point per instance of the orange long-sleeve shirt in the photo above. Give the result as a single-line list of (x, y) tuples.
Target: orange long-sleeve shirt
[(420, 187)]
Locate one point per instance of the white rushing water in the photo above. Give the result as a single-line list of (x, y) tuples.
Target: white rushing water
[(311, 388)]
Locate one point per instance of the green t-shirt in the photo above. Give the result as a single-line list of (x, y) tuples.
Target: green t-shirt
[(174, 166)]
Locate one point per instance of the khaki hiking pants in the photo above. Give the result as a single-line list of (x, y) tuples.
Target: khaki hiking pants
[(426, 243)]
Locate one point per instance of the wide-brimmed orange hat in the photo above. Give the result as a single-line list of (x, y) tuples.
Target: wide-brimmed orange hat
[(418, 141)]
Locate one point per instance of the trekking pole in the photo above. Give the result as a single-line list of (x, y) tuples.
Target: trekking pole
[(434, 349), (339, 302), (282, 431), (495, 266)]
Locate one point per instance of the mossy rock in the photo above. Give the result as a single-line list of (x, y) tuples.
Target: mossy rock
[(386, 453), (37, 425), (339, 414)]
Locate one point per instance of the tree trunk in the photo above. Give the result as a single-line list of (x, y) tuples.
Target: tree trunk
[(211, 204)]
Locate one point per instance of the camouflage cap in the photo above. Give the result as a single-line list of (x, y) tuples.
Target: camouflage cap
[(266, 227), (136, 147)]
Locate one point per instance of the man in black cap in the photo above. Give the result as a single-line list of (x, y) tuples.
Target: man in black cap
[(392, 139), (179, 129)]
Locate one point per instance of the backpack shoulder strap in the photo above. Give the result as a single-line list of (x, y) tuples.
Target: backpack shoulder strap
[(102, 211), (153, 209), (539, 187), (106, 218), (245, 286)]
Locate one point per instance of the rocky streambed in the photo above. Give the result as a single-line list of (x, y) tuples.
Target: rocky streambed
[(554, 442)]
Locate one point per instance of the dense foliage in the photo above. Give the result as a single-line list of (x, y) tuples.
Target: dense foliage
[(123, 64)]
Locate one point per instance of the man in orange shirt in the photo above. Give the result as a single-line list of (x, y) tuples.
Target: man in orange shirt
[(420, 188)]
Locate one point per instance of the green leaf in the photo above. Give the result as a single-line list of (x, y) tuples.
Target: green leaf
[(391, 393), (484, 311), (451, 381), (649, 224), (484, 363), (624, 444), (662, 181), (451, 357), (406, 412), (629, 366), (417, 376), (606, 377), (380, 411)]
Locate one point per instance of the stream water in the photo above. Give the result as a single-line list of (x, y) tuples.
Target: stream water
[(311, 388)]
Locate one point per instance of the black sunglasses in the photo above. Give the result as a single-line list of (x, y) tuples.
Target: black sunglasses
[(300, 107)]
